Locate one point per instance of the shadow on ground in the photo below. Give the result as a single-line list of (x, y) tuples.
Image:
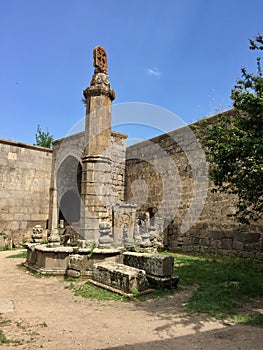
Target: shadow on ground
[(236, 337)]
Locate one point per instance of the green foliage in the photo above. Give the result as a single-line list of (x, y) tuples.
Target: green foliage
[(5, 235), (43, 139), (135, 292), (225, 284), (235, 145), (93, 246)]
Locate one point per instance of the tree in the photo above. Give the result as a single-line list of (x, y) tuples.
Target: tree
[(43, 139), (234, 145)]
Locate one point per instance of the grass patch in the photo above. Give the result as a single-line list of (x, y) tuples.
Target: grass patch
[(5, 340), (21, 255), (89, 291), (225, 285), (43, 325), (4, 322)]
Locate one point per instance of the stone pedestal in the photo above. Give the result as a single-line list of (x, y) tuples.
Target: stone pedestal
[(105, 239), (54, 239)]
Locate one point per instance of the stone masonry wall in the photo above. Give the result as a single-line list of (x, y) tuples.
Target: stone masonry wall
[(118, 153), (167, 175), (25, 172)]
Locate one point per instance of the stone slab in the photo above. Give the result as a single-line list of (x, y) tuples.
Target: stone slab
[(118, 291), (153, 264), (120, 276)]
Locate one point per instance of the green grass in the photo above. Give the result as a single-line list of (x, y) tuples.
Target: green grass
[(89, 291), (4, 322), (224, 285), (5, 340), (21, 255)]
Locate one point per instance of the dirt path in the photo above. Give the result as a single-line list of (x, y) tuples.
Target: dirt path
[(45, 315)]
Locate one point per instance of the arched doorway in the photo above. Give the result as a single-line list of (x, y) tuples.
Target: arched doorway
[(68, 187), (69, 208)]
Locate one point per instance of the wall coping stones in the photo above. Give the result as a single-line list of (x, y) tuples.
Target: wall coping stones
[(25, 145), (62, 249), (44, 248)]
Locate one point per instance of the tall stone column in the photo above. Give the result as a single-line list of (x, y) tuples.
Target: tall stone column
[(96, 172)]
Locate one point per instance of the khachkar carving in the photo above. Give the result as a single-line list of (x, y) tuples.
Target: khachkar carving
[(100, 60), (100, 84), (37, 235)]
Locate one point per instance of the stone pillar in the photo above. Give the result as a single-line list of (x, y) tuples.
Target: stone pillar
[(53, 216), (96, 171)]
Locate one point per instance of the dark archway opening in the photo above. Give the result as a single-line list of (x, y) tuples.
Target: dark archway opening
[(69, 187), (69, 208)]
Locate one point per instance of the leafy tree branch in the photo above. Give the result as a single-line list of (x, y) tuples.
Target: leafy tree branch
[(43, 139), (234, 144)]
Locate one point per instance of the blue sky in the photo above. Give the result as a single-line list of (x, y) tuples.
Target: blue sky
[(183, 56)]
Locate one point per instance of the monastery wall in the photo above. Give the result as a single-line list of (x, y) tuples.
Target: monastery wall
[(25, 172), (168, 175)]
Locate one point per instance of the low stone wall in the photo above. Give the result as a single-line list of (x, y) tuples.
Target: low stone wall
[(25, 172)]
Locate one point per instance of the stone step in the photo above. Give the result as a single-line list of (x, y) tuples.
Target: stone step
[(120, 277)]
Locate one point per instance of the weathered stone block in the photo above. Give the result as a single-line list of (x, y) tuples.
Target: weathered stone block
[(153, 264), (227, 244), (252, 237), (119, 276), (240, 236), (217, 235), (76, 262), (238, 245)]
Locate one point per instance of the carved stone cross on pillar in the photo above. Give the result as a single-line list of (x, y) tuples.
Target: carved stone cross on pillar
[(96, 160), (100, 59)]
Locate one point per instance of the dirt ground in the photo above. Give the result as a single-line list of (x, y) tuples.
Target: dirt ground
[(45, 315)]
